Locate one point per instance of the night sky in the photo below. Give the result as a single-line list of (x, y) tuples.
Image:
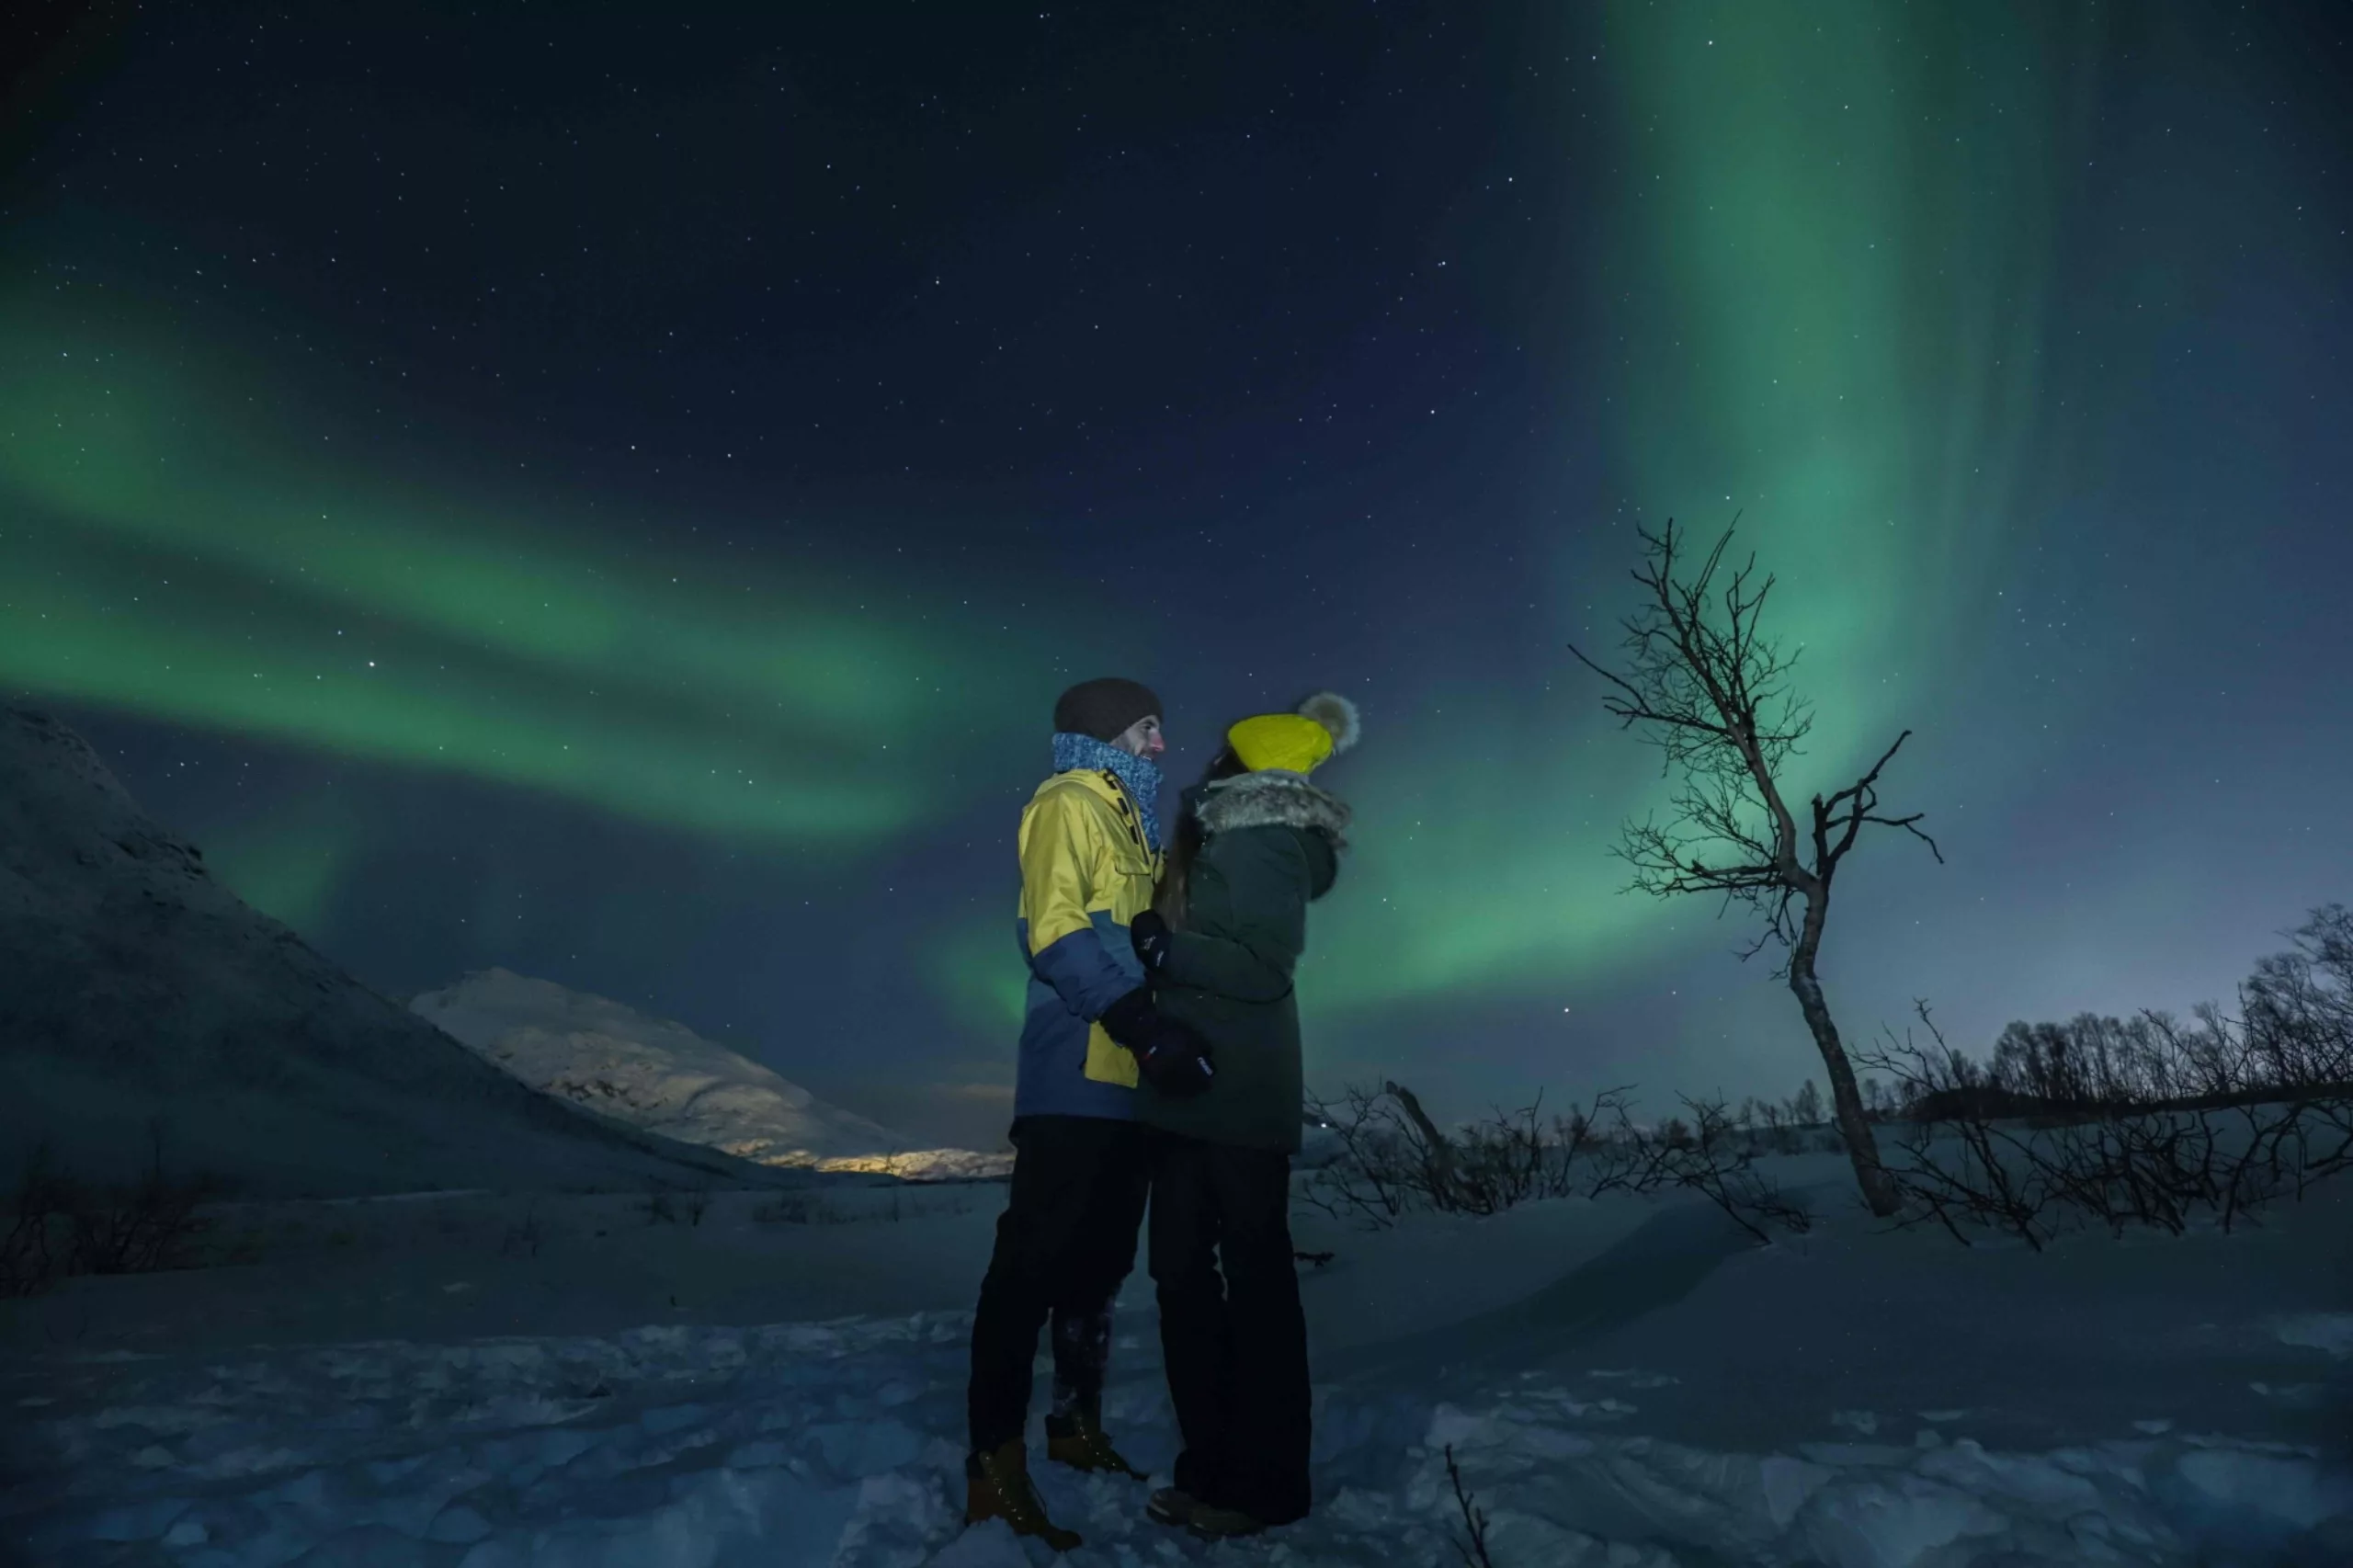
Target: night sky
[(613, 491)]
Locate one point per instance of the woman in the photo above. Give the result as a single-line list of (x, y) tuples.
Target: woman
[(1255, 845)]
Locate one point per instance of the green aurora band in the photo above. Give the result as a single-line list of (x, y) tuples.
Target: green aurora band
[(281, 596), (1824, 258), (1819, 275)]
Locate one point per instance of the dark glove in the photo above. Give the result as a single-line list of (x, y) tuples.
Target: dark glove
[(1174, 1060), (1149, 935), (1128, 1022)]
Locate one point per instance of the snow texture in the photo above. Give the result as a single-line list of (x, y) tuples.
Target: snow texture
[(1592, 1365), (134, 987), (661, 1076)]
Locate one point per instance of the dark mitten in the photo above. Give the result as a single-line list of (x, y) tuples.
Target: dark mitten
[(1130, 1019), (1174, 1060), (1149, 935)]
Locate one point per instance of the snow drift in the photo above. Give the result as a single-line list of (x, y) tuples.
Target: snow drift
[(660, 1076), (135, 992)]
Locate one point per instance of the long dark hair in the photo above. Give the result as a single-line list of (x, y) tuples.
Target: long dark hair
[(1185, 843)]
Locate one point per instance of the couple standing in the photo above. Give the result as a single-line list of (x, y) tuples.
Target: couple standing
[(1160, 1058)]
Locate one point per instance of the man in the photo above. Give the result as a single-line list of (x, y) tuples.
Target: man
[(1090, 856)]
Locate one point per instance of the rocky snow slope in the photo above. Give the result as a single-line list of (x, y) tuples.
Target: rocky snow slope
[(138, 993), (661, 1075)]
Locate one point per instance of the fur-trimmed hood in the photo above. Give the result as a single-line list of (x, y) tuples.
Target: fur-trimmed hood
[(1272, 797)]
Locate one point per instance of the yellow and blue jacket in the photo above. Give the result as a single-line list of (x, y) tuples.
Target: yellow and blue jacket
[(1086, 871)]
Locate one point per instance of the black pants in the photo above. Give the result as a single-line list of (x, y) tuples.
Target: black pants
[(1237, 1346), (1065, 1242)]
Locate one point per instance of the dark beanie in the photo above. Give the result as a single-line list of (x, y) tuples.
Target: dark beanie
[(1104, 709)]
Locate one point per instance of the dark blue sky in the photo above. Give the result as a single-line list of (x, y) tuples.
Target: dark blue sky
[(725, 430)]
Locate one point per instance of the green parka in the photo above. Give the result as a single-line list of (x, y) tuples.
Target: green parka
[(1271, 846)]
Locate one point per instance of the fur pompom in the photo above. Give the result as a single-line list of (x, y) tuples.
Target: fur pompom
[(1338, 715)]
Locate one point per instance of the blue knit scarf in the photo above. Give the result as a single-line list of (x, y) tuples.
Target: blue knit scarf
[(1139, 774)]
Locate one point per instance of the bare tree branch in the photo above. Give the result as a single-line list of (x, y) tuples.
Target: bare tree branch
[(1702, 682)]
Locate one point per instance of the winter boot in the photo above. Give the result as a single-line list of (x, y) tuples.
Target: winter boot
[(1077, 1441), (1170, 1506), (1210, 1522), (997, 1486)]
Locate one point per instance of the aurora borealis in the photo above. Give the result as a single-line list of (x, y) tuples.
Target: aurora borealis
[(721, 702), (614, 496)]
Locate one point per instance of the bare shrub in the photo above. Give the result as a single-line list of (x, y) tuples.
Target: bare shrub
[(1714, 1155), (62, 1226), (1626, 1156), (1718, 1161), (1393, 1159), (1491, 1164), (1372, 1182), (792, 1209), (1471, 1545), (145, 1226), (698, 1204), (796, 1208), (1603, 1152), (31, 1258), (2240, 1128)]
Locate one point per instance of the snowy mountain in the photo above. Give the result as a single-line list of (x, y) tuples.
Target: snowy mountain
[(661, 1076), (138, 993)]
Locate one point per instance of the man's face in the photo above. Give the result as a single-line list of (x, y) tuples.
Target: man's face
[(1143, 738)]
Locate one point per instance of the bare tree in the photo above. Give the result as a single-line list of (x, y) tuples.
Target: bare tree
[(1715, 697)]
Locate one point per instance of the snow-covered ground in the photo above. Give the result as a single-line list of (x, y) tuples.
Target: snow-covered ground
[(661, 1076), (483, 1380)]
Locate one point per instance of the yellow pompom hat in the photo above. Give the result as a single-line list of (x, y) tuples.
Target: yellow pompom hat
[(1324, 725)]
